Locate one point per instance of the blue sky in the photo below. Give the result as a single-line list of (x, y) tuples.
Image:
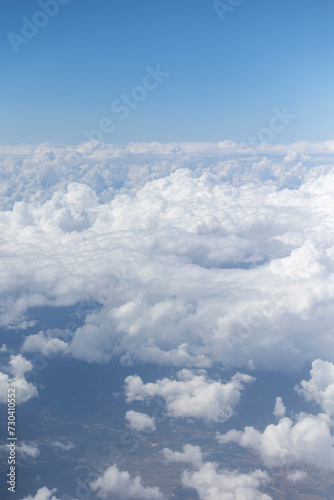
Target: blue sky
[(225, 76)]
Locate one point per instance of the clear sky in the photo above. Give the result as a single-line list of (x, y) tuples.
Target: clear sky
[(225, 75)]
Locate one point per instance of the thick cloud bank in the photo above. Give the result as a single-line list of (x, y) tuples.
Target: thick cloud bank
[(197, 253)]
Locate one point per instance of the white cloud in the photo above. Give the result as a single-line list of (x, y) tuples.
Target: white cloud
[(192, 395), (303, 439), (191, 455), (18, 366), (307, 440), (320, 388), (199, 254), (45, 344), (140, 421), (39, 171), (223, 255), (121, 485), (43, 494), (279, 410), (213, 484), (297, 476)]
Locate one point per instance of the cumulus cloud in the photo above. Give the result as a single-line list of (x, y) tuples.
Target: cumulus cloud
[(190, 455), (121, 485), (47, 345), (303, 439), (320, 387), (43, 494), (279, 410), (17, 367), (306, 440), (222, 254), (214, 484), (191, 395), (140, 421), (211, 484)]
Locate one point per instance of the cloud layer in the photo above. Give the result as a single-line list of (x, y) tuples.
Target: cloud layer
[(185, 255), (198, 254)]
